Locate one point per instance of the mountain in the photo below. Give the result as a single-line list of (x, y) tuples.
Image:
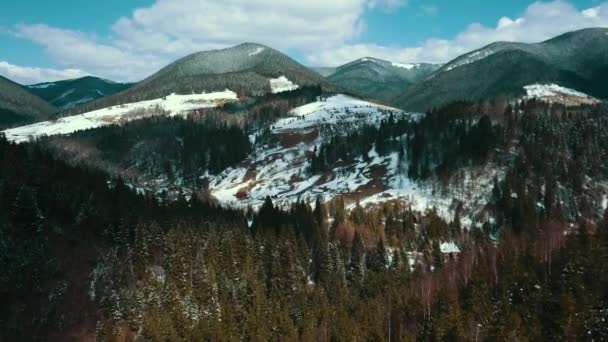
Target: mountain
[(70, 93), (247, 69), (18, 105), (576, 60), (379, 79)]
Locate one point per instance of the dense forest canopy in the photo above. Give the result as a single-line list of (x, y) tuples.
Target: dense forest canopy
[(143, 269)]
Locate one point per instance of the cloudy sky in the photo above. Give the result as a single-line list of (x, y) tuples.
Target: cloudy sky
[(126, 40)]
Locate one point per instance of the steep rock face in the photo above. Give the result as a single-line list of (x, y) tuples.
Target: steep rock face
[(576, 60), (67, 94), (379, 79), (18, 106), (245, 69)]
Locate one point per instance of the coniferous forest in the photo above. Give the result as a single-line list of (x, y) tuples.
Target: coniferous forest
[(140, 268)]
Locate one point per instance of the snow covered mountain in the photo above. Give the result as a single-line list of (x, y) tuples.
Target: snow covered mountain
[(576, 60), (70, 93), (247, 69), (379, 79), (19, 106)]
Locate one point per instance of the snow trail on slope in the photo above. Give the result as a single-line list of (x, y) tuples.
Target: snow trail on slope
[(175, 104)]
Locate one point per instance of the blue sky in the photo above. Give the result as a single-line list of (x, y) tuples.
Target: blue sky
[(126, 40)]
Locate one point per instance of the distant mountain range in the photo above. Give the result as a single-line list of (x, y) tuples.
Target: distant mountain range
[(577, 60), (18, 106), (70, 93), (379, 79)]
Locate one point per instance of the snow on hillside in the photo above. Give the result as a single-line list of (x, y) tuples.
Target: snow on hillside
[(340, 109), (281, 84), (256, 51), (470, 58), (40, 86), (282, 171), (555, 93), (449, 247), (174, 104), (407, 66)]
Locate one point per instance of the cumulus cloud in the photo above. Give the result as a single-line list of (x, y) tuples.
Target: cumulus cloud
[(29, 75), (77, 50), (325, 32), (540, 21), (156, 35)]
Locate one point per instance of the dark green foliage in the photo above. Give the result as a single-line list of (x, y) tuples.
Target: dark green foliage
[(378, 79), (18, 106), (71, 237), (172, 147)]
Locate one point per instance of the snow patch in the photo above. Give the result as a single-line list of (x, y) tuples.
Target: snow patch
[(449, 247), (556, 93), (470, 58), (338, 109), (281, 84), (407, 66), (256, 51), (41, 86), (174, 104)]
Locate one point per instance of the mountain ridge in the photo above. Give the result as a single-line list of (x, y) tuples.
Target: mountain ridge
[(576, 60), (379, 79), (66, 94), (19, 106)]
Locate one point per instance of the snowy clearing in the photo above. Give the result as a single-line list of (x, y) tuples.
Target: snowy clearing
[(281, 84), (340, 109), (256, 51), (174, 104), (556, 93)]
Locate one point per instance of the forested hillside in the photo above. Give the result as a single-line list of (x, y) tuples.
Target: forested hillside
[(143, 269), (66, 94), (19, 107), (577, 60)]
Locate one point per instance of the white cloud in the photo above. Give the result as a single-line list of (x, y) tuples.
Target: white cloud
[(77, 50), (156, 35), (540, 21), (324, 31), (29, 75)]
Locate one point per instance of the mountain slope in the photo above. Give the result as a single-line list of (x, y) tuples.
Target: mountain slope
[(577, 60), (18, 106), (246, 69), (379, 79), (70, 93)]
